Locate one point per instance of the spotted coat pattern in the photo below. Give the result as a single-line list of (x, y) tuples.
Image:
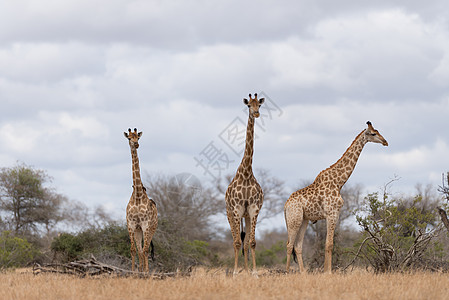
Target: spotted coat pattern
[(322, 199), (141, 211), (244, 196)]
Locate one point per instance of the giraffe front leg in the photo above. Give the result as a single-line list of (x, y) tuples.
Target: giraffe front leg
[(133, 250), (252, 242), (138, 234), (145, 252), (331, 223)]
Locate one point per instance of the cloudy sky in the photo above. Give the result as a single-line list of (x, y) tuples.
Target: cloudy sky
[(75, 74)]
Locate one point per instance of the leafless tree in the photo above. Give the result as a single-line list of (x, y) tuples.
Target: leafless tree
[(183, 202), (444, 189), (186, 222), (77, 216)]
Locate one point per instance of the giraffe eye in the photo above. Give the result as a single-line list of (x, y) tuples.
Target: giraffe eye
[(373, 134)]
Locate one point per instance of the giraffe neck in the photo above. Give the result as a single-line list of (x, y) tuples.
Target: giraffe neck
[(137, 181), (340, 172), (245, 167)]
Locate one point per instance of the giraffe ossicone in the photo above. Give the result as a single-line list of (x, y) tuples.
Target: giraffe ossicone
[(141, 211), (322, 199), (244, 196)]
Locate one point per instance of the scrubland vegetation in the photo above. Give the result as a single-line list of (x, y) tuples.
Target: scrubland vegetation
[(385, 246)]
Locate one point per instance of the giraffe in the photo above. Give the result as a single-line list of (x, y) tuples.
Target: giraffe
[(244, 196), (322, 199), (141, 212)]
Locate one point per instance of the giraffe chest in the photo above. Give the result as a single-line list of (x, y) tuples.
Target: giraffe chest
[(143, 212)]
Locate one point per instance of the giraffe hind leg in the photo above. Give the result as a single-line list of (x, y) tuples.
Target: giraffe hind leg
[(148, 241), (298, 245), (246, 242), (293, 221), (234, 222)]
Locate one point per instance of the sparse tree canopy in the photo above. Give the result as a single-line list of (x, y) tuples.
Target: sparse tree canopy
[(28, 207), (185, 204)]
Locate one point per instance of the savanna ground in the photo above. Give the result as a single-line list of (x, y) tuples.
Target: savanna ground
[(215, 284)]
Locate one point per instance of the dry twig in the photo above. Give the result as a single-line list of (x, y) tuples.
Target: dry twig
[(92, 267)]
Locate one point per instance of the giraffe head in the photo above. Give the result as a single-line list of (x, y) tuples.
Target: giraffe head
[(253, 104), (133, 137), (372, 135)]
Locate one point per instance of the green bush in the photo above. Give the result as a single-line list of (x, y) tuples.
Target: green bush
[(111, 244), (111, 239), (396, 234), (15, 251), (272, 256), (68, 245)]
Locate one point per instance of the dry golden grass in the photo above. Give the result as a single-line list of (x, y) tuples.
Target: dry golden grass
[(214, 284)]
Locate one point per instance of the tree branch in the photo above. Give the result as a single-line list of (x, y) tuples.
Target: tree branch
[(443, 217)]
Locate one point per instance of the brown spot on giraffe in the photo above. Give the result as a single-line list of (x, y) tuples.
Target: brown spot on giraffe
[(308, 204), (244, 196), (141, 211)]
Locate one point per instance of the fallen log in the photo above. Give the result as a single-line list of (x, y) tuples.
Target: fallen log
[(91, 267)]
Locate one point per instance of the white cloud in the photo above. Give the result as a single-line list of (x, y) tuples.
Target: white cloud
[(88, 126), (49, 62), (381, 53), (419, 158), (75, 75), (19, 138), (440, 74)]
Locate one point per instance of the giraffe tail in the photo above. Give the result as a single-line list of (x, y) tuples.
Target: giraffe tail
[(242, 238), (295, 259), (152, 250)]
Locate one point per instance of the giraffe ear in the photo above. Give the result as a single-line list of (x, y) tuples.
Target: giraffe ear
[(261, 101), (126, 135), (245, 101), (370, 126), (139, 134)]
